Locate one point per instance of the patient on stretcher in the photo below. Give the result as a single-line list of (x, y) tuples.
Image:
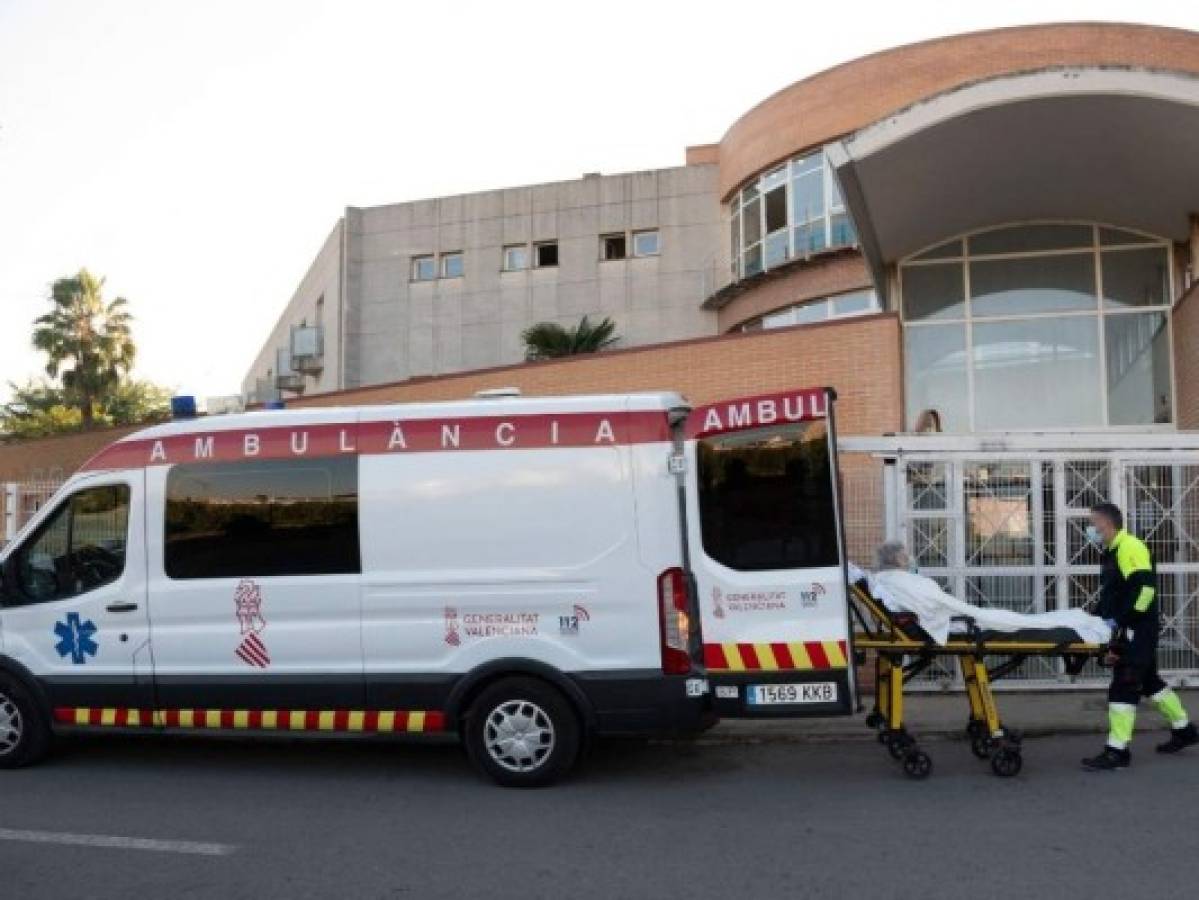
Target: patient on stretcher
[(941, 614)]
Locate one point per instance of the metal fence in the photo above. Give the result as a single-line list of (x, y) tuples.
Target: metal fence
[(20, 500), (1009, 530)]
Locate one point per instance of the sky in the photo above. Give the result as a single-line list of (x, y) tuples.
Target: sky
[(198, 154)]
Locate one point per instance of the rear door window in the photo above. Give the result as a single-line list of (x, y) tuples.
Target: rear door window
[(766, 498)]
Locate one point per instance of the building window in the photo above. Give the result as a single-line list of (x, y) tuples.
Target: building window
[(790, 212), (451, 265), (260, 518), (424, 268), (613, 246), (854, 303), (516, 257), (645, 243), (546, 254), (1074, 315)]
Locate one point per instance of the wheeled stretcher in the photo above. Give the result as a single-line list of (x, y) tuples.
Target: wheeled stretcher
[(903, 651)]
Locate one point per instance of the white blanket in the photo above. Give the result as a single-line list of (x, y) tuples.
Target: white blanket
[(935, 609)]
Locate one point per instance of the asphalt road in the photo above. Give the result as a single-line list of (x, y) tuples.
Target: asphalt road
[(162, 817)]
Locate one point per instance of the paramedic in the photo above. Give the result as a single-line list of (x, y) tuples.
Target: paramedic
[(1128, 600)]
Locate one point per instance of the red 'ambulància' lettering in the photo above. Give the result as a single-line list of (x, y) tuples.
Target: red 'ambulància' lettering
[(429, 435), (767, 411)]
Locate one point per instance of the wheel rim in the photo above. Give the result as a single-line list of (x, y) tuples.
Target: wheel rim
[(10, 725), (519, 735)]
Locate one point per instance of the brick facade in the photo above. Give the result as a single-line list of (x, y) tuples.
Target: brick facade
[(1186, 359), (859, 357), (54, 458), (820, 277)]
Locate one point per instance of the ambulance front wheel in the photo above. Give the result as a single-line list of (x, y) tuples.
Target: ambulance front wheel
[(24, 731), (522, 732)]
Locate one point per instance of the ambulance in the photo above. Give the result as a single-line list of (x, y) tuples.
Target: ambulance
[(524, 573)]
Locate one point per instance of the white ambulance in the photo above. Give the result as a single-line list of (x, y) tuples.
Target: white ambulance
[(523, 572)]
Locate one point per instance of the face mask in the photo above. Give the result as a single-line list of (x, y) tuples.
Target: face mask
[(1093, 535)]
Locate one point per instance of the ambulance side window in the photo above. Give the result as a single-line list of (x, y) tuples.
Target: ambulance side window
[(766, 499), (79, 548), (262, 517)]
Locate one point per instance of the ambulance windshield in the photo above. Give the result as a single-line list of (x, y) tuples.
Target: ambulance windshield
[(766, 498)]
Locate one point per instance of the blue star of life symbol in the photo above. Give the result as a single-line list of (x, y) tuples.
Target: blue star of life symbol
[(75, 639)]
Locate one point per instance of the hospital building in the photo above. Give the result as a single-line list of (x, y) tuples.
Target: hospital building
[(987, 243)]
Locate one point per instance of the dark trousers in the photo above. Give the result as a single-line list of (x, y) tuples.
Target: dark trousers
[(1133, 680)]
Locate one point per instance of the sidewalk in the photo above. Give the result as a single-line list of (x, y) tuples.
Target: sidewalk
[(944, 715)]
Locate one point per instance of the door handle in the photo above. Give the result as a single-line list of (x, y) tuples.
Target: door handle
[(121, 606)]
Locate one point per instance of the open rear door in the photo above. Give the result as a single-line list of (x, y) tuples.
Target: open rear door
[(767, 554)]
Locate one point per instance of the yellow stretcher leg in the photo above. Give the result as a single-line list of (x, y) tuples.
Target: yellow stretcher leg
[(986, 700), (895, 696)]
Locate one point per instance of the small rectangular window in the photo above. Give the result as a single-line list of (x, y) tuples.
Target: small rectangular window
[(424, 268), (613, 246), (645, 243), (546, 254), (258, 518), (451, 265), (516, 257)]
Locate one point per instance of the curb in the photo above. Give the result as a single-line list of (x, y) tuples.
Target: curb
[(866, 735)]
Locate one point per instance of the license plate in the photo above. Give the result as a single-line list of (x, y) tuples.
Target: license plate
[(783, 694)]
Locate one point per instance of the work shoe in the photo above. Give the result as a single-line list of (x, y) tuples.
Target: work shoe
[(1109, 760), (1180, 739)]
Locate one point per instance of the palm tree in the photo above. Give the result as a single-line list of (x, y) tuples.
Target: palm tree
[(86, 339), (549, 340)]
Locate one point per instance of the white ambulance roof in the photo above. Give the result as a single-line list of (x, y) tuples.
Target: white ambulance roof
[(491, 406)]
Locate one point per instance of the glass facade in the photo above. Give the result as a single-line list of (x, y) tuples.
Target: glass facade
[(790, 212), (854, 303), (1050, 325)]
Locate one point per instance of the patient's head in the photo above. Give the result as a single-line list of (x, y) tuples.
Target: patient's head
[(891, 555)]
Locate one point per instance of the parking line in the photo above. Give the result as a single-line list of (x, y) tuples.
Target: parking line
[(113, 842)]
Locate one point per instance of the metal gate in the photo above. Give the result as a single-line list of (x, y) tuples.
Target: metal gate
[(1006, 528)]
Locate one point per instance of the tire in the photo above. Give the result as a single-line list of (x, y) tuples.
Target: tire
[(918, 765), (522, 732), (24, 729), (1007, 762)]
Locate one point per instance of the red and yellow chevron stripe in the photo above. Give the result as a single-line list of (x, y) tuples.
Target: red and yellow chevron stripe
[(769, 657), (369, 721)]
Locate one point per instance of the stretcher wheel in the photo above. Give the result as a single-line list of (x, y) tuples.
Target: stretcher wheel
[(874, 720), (982, 747), (898, 744), (975, 729), (917, 764), (1007, 762)]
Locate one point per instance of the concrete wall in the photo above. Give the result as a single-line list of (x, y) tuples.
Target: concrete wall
[(859, 357), (397, 328), (321, 281)]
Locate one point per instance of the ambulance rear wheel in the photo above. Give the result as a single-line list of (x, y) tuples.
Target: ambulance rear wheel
[(522, 732), (24, 731)]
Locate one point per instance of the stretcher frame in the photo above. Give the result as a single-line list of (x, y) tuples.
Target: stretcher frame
[(903, 651)]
